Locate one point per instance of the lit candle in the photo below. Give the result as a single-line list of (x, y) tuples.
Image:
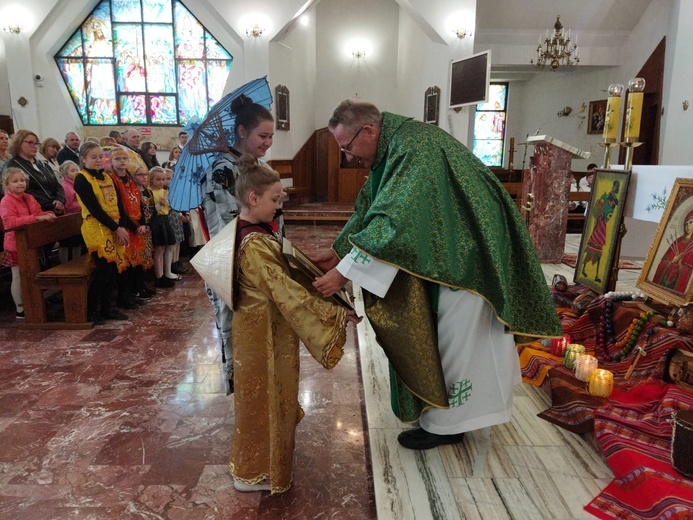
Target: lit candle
[(559, 345), (571, 354), (601, 383), (634, 109), (613, 113), (584, 366)]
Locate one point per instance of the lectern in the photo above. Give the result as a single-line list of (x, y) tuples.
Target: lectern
[(545, 192)]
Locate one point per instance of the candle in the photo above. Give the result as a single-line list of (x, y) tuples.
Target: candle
[(584, 366), (601, 383), (613, 113), (559, 345), (634, 109), (571, 354)]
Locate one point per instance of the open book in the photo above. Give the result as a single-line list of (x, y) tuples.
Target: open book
[(301, 263)]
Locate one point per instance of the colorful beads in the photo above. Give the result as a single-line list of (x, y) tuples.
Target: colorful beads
[(605, 330)]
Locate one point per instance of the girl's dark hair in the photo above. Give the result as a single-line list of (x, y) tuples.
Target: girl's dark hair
[(248, 114), (149, 161), (253, 176)]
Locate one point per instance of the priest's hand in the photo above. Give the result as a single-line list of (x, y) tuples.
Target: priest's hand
[(330, 283), (326, 261)]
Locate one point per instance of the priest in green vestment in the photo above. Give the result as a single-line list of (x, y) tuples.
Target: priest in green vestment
[(448, 269)]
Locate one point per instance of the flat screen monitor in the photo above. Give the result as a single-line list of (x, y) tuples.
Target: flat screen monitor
[(469, 80)]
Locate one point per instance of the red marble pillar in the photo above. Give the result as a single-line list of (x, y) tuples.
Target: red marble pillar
[(545, 190)]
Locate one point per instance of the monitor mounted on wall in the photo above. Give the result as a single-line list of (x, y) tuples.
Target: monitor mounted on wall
[(469, 80)]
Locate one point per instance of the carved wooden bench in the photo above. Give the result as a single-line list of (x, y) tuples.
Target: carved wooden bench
[(72, 277)]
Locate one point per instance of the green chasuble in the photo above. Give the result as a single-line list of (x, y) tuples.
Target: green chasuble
[(435, 211)]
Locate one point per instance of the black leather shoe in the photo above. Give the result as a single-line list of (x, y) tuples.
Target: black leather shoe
[(420, 439)]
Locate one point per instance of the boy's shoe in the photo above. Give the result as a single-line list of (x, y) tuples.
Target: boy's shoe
[(115, 315), (96, 319), (164, 282), (19, 315), (177, 268), (126, 304), (144, 293)]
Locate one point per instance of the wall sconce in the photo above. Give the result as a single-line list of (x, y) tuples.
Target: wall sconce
[(462, 33), (15, 29), (359, 48), (460, 24), (254, 31), (16, 19)]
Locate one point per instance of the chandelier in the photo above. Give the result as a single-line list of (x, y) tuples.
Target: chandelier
[(557, 50)]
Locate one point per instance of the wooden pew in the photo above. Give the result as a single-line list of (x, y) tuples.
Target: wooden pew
[(578, 196), (72, 277)]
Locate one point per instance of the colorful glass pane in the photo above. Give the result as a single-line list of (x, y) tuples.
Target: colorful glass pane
[(126, 10), (217, 74), (73, 73), (96, 31), (133, 109), (163, 110), (192, 90), (497, 98), (214, 50), (127, 50), (73, 47), (161, 71), (189, 34), (489, 125), (489, 151), (158, 11), (100, 88), (130, 58)]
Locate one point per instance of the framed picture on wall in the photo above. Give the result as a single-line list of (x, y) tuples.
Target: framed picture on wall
[(431, 105), (596, 117), (668, 269), (282, 95), (601, 234)]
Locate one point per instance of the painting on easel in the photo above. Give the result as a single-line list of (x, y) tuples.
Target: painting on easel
[(599, 246), (667, 274)]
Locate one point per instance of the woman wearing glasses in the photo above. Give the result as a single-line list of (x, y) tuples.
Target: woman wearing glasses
[(43, 185)]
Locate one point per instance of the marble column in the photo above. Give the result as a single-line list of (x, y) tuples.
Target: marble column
[(545, 191)]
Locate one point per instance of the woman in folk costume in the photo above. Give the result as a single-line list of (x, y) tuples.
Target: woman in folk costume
[(253, 134), (129, 193), (271, 312), (676, 266), (104, 232)]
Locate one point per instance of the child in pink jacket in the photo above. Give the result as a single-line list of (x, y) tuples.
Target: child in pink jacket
[(16, 209)]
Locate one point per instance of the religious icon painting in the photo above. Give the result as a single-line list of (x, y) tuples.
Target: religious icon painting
[(666, 275), (601, 237)]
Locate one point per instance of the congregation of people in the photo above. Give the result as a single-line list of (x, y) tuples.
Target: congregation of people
[(121, 191)]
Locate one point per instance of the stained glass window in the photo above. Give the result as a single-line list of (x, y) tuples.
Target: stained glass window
[(143, 62), (489, 126)]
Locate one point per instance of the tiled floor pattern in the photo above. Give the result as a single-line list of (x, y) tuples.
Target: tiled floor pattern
[(129, 420)]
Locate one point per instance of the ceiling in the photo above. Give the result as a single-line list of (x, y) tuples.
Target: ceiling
[(539, 15)]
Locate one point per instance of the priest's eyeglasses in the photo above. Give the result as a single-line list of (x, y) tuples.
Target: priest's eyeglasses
[(347, 148)]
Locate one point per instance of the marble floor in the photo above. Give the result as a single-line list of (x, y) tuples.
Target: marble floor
[(129, 420)]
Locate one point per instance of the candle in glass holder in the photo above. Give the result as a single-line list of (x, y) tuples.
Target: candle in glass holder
[(613, 113), (559, 345), (571, 353), (584, 366), (601, 383), (634, 109)]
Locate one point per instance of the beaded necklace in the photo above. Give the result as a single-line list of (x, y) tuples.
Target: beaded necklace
[(605, 334)]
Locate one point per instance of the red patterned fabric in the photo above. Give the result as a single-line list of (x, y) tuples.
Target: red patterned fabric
[(634, 431)]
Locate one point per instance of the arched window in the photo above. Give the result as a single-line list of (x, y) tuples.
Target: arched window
[(489, 126), (143, 62)]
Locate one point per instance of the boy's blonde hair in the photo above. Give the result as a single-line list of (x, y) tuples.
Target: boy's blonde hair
[(253, 177), (9, 172)]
